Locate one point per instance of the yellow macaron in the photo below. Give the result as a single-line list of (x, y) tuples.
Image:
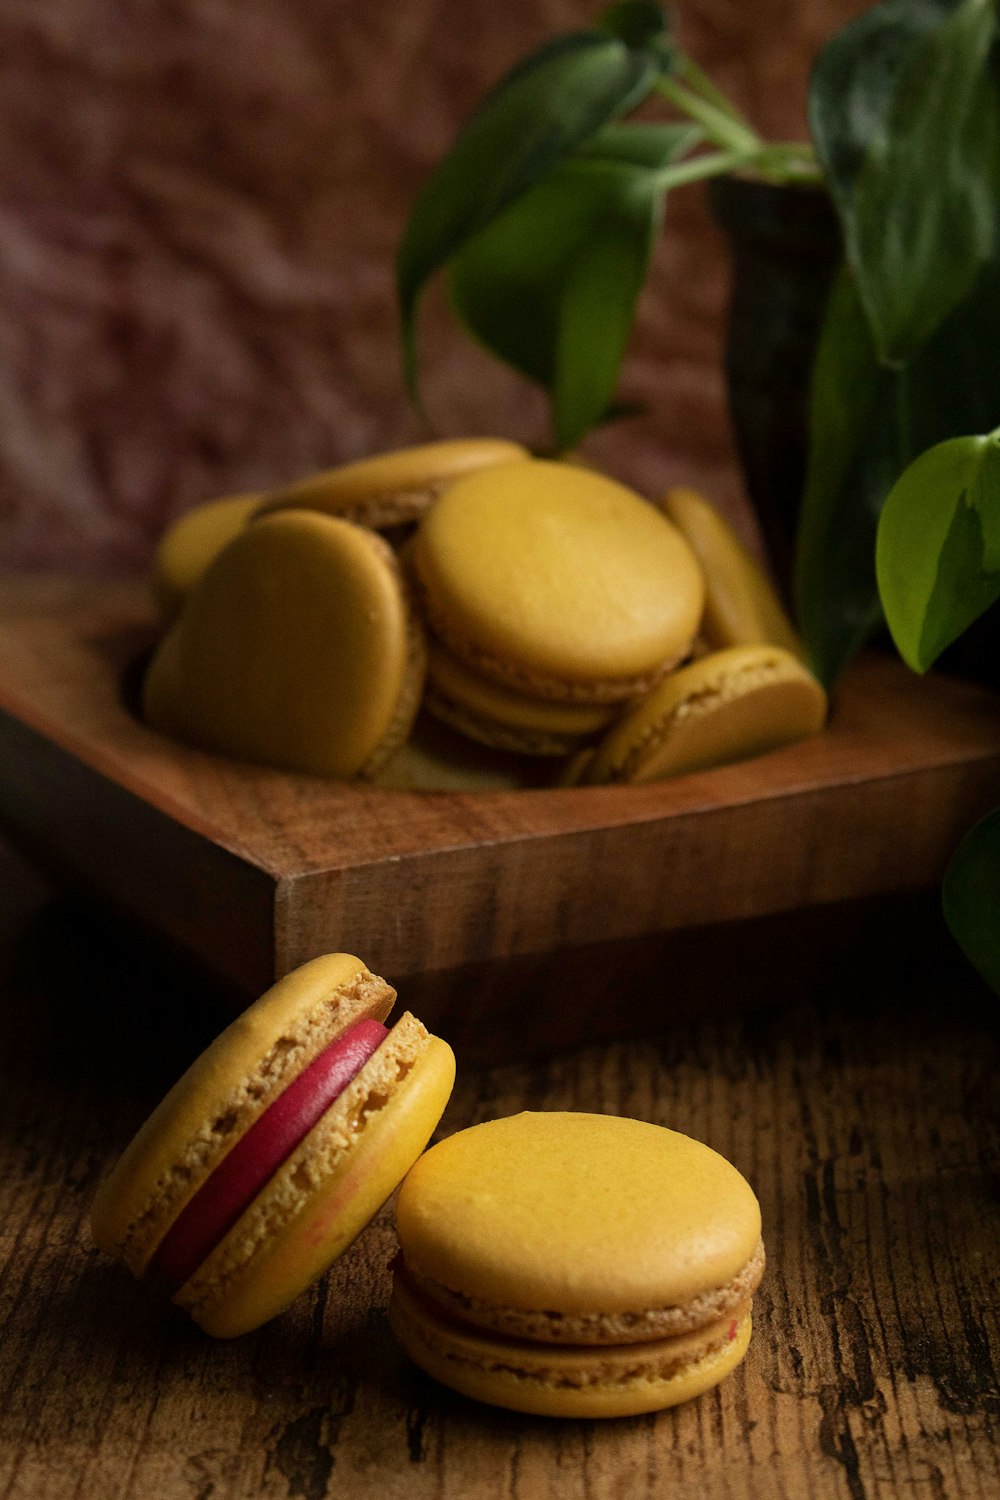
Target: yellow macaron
[(726, 706), (741, 606), (557, 581), (503, 718), (193, 542), (276, 1148), (391, 489), (437, 758), (576, 1265), (298, 649)]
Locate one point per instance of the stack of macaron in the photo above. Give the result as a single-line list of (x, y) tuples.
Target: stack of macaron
[(463, 615), (564, 1264)]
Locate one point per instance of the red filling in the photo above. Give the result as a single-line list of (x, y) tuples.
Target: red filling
[(258, 1154)]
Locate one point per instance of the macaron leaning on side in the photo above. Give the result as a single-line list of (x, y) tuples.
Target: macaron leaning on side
[(298, 649), (282, 1140), (726, 706), (575, 1265)]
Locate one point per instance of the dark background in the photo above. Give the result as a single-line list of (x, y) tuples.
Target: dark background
[(199, 204)]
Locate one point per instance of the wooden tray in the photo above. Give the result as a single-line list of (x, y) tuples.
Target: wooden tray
[(254, 871)]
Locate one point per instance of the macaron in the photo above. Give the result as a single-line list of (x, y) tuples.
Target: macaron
[(575, 1265), (193, 542), (276, 1148), (501, 716), (297, 649), (741, 606), (557, 581), (726, 706), (392, 489), (436, 758)]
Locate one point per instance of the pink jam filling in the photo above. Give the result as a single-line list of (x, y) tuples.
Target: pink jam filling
[(258, 1154)]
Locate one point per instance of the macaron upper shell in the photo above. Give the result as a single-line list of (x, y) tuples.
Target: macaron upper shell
[(297, 649), (576, 1213), (222, 1093), (329, 1188), (556, 578), (404, 481)]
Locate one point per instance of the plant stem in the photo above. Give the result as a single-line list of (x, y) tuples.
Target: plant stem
[(698, 167), (700, 83), (720, 125)]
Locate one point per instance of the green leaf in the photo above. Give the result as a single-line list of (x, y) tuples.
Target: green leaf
[(971, 897), (547, 106), (905, 116), (640, 23), (866, 424), (938, 551), (551, 286)]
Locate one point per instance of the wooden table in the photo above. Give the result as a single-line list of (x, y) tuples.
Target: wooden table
[(863, 1112)]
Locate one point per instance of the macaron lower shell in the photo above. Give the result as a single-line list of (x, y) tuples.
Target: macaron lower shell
[(298, 649), (437, 758), (727, 706), (220, 1096), (566, 1381), (329, 1188), (634, 1326), (502, 718)]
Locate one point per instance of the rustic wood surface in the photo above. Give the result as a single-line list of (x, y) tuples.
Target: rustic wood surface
[(863, 1114), (256, 870)]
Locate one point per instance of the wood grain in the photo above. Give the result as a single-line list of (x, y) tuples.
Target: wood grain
[(863, 1114), (255, 870)]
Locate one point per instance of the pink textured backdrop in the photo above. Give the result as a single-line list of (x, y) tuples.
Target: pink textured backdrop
[(198, 212)]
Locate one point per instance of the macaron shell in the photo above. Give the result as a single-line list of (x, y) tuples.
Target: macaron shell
[(481, 1212), (297, 649), (329, 1188), (624, 1380), (393, 487), (222, 1093), (724, 707), (193, 542), (500, 716), (557, 581), (741, 606)]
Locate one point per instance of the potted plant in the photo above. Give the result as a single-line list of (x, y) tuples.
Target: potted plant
[(544, 213)]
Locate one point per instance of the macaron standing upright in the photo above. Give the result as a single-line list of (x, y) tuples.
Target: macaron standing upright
[(298, 649), (741, 605), (275, 1149), (576, 1265), (382, 492), (556, 582), (189, 547)]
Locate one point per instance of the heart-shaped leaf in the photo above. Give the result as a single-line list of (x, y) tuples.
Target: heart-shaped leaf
[(551, 286), (545, 108), (971, 897), (905, 116), (938, 552)]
